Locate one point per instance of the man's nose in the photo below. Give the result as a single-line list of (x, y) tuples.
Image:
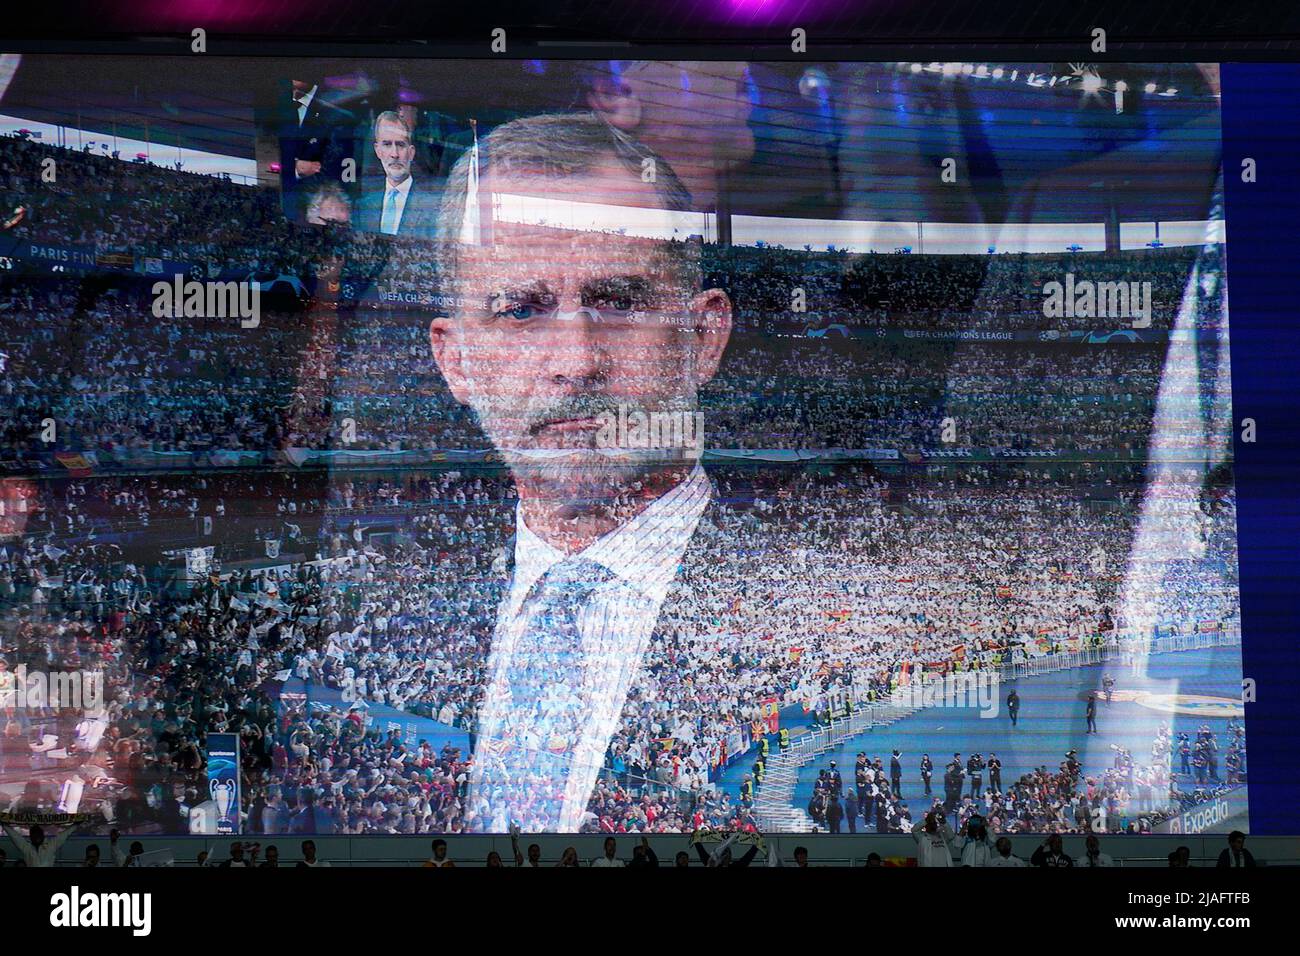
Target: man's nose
[(580, 353)]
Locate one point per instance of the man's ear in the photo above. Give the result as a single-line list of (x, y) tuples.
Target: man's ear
[(711, 312), (445, 345), (614, 100)]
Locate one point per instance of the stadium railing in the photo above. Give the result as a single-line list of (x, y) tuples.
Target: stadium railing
[(1129, 651), (774, 808)]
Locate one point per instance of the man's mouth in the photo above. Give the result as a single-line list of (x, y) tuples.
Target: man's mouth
[(569, 425)]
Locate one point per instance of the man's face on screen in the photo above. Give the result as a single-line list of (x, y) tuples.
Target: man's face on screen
[(395, 150), (564, 330)]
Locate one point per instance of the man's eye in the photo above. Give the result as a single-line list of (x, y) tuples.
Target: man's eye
[(518, 311)]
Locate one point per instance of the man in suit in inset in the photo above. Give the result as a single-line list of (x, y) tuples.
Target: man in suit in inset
[(401, 207), (315, 138)]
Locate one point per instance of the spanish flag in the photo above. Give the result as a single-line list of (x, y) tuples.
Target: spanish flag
[(79, 466)]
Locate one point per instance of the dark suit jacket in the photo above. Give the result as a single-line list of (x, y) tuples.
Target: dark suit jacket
[(1225, 858), (325, 136), (690, 638), (419, 215)]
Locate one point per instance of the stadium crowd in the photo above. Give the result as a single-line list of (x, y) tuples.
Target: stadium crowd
[(380, 586), (362, 601), (84, 349)]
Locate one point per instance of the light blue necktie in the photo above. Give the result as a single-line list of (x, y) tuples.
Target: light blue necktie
[(388, 222), (549, 705)]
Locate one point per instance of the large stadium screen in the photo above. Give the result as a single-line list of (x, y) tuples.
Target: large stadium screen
[(421, 446)]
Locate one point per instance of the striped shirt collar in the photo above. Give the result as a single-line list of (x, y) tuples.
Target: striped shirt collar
[(643, 552)]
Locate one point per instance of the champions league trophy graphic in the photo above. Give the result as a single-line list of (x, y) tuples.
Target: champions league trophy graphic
[(223, 794)]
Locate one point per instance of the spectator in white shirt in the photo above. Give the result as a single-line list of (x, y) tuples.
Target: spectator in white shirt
[(933, 840), (1003, 856), (309, 855), (35, 850), (534, 851), (237, 858), (1094, 856), (609, 859)]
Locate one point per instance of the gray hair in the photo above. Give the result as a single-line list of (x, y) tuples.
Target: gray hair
[(388, 116), (553, 145)]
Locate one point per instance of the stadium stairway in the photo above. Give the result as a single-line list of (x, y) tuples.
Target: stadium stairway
[(774, 807)]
